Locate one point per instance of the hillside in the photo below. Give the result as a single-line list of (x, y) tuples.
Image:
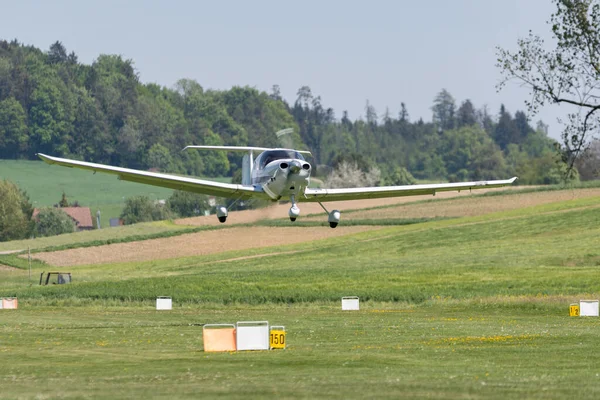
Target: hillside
[(473, 306)]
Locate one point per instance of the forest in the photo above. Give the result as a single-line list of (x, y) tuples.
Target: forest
[(51, 103)]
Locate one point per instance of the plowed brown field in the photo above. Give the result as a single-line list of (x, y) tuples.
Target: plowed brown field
[(471, 205), (193, 244)]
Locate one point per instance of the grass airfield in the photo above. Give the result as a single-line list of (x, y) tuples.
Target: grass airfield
[(467, 307)]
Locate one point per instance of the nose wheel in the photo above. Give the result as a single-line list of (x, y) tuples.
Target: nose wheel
[(294, 210)]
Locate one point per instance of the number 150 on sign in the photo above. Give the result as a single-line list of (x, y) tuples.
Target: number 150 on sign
[(277, 339)]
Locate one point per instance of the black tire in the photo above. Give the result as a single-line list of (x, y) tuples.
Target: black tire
[(222, 219), (333, 224)]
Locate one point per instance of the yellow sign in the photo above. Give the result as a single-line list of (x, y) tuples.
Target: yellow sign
[(574, 310), (277, 339)]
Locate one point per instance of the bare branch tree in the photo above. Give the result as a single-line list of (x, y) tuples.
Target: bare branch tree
[(569, 74)]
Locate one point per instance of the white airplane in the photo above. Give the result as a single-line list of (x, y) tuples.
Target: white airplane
[(276, 174)]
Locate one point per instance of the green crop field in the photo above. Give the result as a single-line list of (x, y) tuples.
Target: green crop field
[(46, 183), (471, 307)]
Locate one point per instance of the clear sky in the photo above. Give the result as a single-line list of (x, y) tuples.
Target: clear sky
[(347, 51)]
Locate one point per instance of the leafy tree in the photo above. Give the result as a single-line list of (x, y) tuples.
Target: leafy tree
[(159, 157), (13, 129), (567, 74), (52, 221), (187, 204), (15, 212), (47, 117)]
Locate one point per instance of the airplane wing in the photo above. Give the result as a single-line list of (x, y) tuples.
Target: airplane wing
[(396, 191), (187, 184)]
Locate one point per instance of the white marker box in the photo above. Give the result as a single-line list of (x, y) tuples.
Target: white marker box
[(588, 308), (350, 303), (9, 303), (252, 335), (163, 303)]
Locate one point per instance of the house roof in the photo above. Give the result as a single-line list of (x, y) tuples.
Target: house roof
[(81, 215)]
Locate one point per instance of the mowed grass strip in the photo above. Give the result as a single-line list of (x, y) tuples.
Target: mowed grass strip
[(436, 350)]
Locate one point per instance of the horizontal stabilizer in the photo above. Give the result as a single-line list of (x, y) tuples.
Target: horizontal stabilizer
[(240, 148)]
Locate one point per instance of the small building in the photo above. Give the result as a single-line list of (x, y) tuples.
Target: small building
[(82, 216)]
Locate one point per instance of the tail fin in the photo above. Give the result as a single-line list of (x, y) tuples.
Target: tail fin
[(247, 162)]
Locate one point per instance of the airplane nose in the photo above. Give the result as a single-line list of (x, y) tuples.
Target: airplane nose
[(295, 167)]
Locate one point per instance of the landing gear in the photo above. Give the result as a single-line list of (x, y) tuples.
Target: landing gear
[(294, 210), (222, 213), (332, 217)]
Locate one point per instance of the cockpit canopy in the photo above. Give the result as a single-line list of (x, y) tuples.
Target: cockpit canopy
[(271, 155)]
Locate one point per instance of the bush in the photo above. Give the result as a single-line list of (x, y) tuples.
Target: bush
[(187, 204), (15, 212), (142, 209), (399, 176), (349, 175), (53, 221)]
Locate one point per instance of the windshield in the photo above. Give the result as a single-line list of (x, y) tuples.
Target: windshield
[(272, 155)]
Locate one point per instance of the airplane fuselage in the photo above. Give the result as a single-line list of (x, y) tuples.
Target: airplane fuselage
[(281, 174)]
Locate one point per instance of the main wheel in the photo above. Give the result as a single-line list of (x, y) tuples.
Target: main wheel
[(333, 224), (222, 219), (292, 219)]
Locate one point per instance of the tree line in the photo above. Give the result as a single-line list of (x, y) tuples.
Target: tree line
[(52, 103)]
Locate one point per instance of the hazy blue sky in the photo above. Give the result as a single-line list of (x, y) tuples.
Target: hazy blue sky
[(346, 51)]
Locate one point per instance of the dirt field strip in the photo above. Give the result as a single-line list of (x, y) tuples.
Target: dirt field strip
[(194, 244), (7, 268), (276, 211), (471, 206)]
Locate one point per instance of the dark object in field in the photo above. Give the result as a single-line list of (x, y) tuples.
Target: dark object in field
[(61, 278)]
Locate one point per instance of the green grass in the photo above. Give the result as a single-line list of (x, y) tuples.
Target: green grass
[(460, 308), (437, 350), (45, 184)]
